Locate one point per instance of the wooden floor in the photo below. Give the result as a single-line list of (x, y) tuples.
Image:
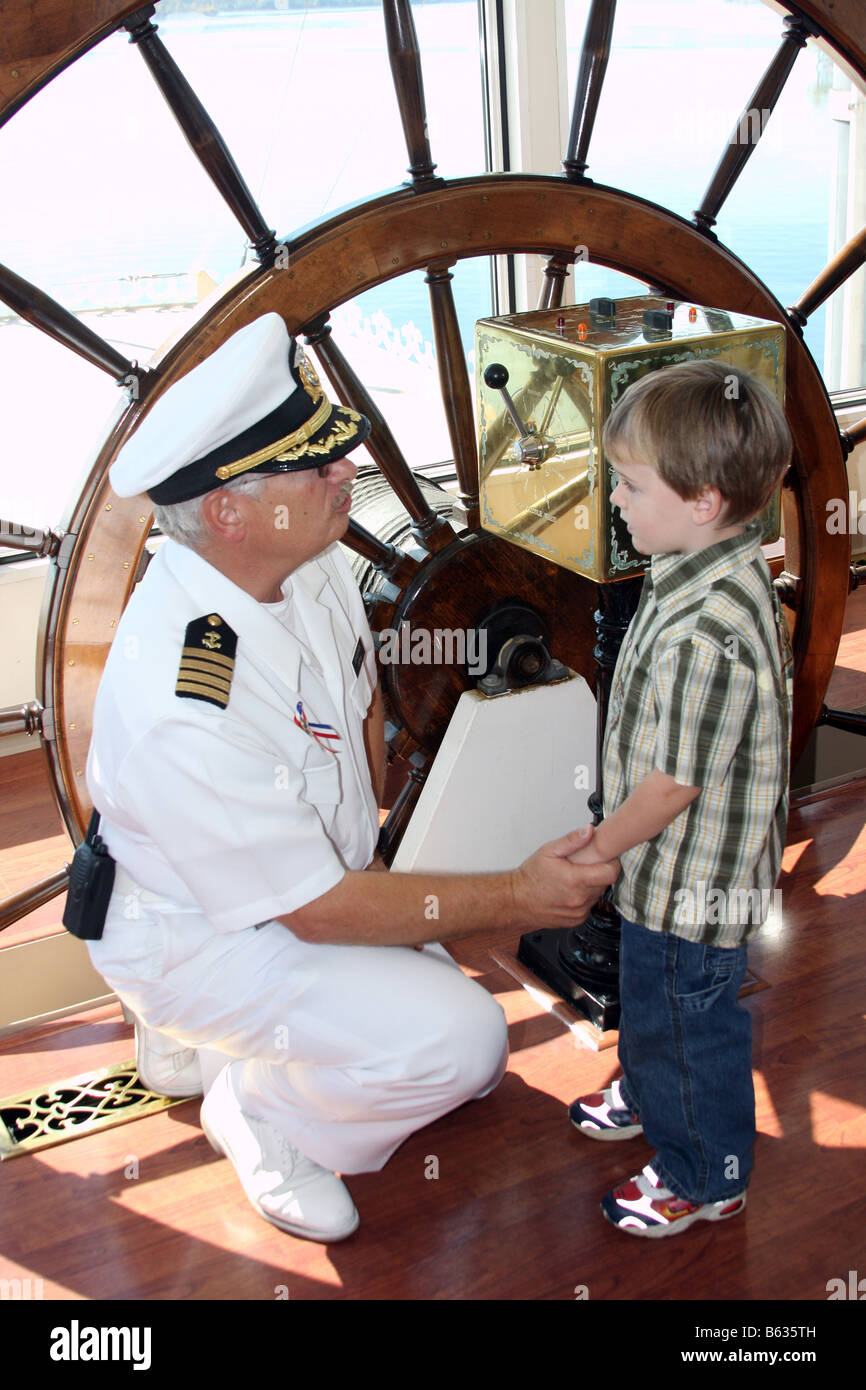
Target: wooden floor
[(147, 1210)]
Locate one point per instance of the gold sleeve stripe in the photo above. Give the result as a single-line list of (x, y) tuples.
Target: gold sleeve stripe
[(205, 678), (210, 668), (192, 688), (202, 654)]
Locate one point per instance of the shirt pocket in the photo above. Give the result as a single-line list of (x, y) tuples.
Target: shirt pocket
[(322, 787)]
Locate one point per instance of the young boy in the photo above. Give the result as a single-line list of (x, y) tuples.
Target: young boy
[(695, 782)]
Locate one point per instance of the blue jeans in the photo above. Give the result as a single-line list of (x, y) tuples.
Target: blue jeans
[(685, 1046)]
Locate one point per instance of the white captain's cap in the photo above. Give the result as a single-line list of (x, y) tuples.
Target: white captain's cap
[(254, 406)]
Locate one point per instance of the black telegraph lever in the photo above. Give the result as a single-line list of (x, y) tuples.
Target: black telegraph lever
[(528, 448), (496, 377)]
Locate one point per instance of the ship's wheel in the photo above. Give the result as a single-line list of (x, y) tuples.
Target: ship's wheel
[(453, 572)]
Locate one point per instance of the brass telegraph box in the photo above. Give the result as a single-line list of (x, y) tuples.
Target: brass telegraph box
[(547, 381)]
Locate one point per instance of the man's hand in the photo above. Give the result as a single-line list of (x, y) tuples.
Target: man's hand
[(394, 909), (589, 853), (557, 886)]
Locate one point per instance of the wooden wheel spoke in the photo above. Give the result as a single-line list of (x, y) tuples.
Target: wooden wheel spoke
[(401, 812), (855, 434), (594, 54), (14, 536), (51, 318), (201, 133), (842, 266), (456, 389), (405, 58), (849, 720), (21, 719), (13, 909), (555, 276), (431, 530), (752, 121), (389, 560)]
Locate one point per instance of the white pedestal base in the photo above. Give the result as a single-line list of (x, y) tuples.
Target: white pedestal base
[(513, 771)]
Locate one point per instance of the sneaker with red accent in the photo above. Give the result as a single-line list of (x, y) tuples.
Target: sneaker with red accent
[(644, 1207), (603, 1115)]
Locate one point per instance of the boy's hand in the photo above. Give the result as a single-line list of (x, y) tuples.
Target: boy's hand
[(552, 890)]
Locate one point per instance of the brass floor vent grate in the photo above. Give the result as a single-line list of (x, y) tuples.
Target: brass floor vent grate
[(69, 1109)]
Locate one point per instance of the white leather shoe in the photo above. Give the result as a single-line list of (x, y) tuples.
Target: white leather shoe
[(286, 1188), (165, 1068)]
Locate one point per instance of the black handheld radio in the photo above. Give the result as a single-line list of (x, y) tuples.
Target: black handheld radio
[(91, 880)]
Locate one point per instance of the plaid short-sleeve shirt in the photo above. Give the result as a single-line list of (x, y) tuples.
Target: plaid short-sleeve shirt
[(702, 691)]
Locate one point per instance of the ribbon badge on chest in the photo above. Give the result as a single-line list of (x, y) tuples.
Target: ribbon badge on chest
[(325, 734)]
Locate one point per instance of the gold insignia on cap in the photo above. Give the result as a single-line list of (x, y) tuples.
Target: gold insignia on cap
[(306, 372), (207, 662), (343, 430), (274, 451)]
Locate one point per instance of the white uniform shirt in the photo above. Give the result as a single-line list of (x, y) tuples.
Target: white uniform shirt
[(240, 813)]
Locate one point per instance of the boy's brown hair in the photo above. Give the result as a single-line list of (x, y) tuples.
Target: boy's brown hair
[(705, 424)]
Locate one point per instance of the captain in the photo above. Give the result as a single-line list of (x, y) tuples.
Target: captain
[(237, 763)]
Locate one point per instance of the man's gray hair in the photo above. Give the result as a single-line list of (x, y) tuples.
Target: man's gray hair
[(182, 521)]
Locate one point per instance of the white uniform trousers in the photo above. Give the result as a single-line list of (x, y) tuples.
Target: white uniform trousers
[(345, 1050)]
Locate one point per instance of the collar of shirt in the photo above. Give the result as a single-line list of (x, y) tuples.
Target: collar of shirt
[(671, 577)]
